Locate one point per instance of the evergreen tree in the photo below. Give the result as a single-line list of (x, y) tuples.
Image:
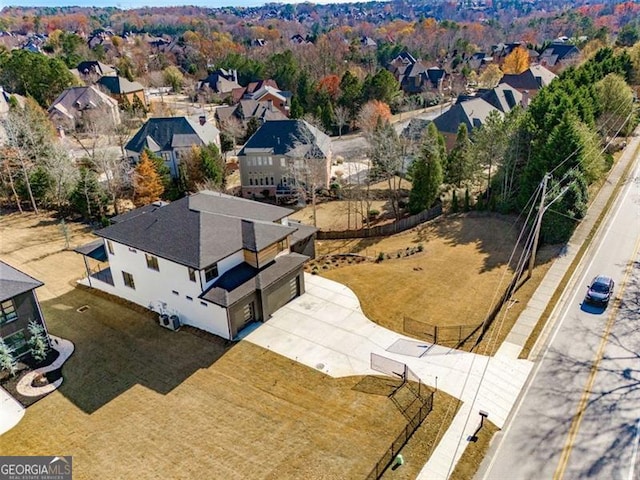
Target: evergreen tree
[(296, 110), (252, 127), (212, 164), (88, 198), (559, 222), (7, 360), (461, 166), (147, 183), (382, 86), (38, 344), (454, 202), (426, 172)]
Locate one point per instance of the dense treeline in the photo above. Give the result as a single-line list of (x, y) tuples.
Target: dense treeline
[(564, 133)]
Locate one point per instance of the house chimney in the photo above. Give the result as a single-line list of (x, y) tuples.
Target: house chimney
[(249, 236), (525, 98), (202, 119)]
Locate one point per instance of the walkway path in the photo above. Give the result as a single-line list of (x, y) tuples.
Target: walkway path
[(326, 330), (25, 387)]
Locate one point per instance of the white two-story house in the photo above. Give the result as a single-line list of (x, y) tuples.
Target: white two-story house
[(210, 260)]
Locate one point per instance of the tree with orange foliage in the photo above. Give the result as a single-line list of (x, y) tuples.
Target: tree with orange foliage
[(331, 85), (371, 114), (147, 184), (517, 61)]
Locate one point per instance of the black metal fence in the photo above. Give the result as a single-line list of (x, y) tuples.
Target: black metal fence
[(425, 407), (449, 335)]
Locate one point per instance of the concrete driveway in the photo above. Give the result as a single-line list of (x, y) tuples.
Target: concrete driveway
[(11, 412), (326, 329)]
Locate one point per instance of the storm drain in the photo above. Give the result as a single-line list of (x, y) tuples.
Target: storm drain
[(83, 309)]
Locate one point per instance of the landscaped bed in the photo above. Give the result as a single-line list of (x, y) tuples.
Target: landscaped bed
[(23, 366)]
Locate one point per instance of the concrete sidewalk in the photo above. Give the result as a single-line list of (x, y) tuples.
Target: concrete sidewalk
[(325, 329), (515, 341)]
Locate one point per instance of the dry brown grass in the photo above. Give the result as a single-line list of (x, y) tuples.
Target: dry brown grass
[(452, 282), (468, 464), (141, 401), (464, 256)]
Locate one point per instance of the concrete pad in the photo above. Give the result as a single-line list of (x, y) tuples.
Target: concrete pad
[(11, 412)]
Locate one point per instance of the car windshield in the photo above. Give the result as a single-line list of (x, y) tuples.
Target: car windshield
[(600, 287)]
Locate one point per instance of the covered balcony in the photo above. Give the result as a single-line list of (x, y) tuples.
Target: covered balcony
[(96, 263)]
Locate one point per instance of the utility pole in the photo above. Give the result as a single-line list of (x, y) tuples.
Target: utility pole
[(536, 235)]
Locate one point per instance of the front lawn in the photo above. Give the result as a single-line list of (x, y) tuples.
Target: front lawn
[(141, 401)]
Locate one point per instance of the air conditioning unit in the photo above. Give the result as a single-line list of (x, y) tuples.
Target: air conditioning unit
[(172, 322)]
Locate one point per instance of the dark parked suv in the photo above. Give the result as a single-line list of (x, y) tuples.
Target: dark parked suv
[(600, 291)]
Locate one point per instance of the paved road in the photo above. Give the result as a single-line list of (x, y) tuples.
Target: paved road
[(354, 147), (591, 365)]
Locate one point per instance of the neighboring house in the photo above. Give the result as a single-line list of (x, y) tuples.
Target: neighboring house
[(414, 76), (244, 110), (171, 137), (221, 82), (473, 111), (503, 97), (210, 260), (91, 70), (75, 107), (530, 81), (19, 306), (559, 55), (273, 97), (278, 148), (123, 90)]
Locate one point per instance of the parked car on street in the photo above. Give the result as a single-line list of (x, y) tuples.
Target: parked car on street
[(600, 291)]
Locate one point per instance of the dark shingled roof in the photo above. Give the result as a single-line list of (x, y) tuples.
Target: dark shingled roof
[(195, 231), (163, 134), (13, 282), (286, 136), (119, 85), (243, 279)]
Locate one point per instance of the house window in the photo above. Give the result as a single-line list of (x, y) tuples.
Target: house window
[(128, 280), (272, 181), (270, 161), (250, 180), (152, 262), (282, 245), (192, 274), (211, 272), (110, 247), (283, 162), (7, 312), (17, 342)]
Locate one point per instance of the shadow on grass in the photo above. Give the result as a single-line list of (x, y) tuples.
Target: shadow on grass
[(375, 385), (118, 347)]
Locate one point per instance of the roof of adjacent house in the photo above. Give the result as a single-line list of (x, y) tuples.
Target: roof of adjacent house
[(472, 112), (289, 137), (503, 97), (120, 85), (558, 52), (166, 133), (221, 81), (533, 78), (94, 66), (199, 230), (76, 99), (14, 282)]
